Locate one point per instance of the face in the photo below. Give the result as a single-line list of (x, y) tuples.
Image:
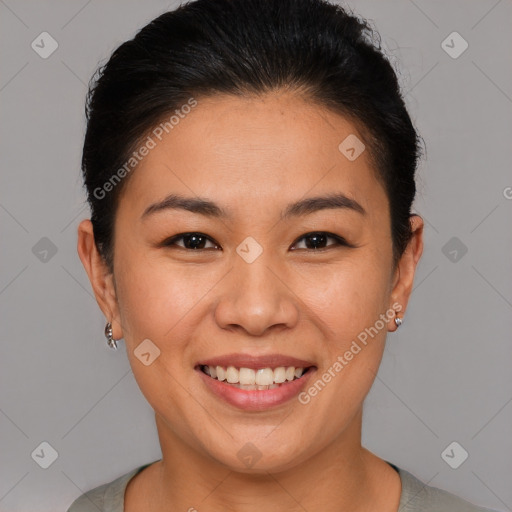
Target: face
[(244, 279)]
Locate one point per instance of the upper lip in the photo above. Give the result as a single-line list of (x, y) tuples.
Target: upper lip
[(255, 362)]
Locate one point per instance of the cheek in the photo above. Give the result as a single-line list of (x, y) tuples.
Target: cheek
[(350, 307), (347, 297), (156, 299), (162, 304)]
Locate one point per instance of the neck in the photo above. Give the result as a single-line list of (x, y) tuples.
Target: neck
[(342, 476)]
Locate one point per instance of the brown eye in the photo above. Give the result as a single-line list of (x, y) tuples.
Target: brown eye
[(191, 241), (318, 240)]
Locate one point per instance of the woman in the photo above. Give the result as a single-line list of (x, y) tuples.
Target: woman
[(250, 170)]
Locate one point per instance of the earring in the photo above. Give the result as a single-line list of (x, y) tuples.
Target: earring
[(111, 342), (398, 321)]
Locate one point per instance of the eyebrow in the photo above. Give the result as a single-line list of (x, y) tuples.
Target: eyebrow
[(210, 209)]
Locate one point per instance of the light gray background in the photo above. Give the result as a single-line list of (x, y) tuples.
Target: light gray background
[(446, 375)]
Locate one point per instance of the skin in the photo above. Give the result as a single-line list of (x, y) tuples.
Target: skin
[(254, 156)]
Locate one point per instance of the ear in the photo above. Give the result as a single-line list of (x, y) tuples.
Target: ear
[(102, 281), (406, 268)]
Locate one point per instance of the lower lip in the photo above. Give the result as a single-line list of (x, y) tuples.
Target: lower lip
[(256, 400)]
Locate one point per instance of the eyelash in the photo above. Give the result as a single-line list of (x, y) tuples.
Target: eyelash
[(340, 241)]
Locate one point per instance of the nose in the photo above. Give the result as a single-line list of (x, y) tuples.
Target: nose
[(257, 297)]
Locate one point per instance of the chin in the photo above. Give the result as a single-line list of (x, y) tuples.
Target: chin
[(262, 455)]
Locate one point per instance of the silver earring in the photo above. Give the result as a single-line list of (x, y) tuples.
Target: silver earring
[(111, 342), (398, 321)]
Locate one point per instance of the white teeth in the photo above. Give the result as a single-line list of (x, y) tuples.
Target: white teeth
[(221, 374), (280, 375), (264, 377), (232, 375), (248, 378)]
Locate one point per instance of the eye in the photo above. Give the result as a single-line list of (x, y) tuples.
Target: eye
[(317, 240), (191, 241)]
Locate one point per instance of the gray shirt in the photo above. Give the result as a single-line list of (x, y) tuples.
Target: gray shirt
[(415, 496)]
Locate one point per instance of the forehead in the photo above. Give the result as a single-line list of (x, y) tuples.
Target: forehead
[(254, 151)]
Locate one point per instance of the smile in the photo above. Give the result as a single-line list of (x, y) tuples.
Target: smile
[(255, 384), (254, 379)]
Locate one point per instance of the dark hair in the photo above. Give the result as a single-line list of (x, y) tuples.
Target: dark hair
[(248, 47)]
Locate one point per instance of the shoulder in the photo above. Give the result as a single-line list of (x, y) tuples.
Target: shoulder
[(107, 497), (419, 497)]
